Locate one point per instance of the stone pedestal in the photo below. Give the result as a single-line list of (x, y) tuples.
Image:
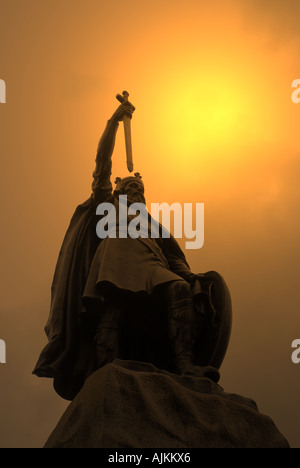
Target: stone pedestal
[(128, 404)]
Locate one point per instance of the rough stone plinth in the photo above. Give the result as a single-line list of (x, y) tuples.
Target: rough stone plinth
[(129, 404)]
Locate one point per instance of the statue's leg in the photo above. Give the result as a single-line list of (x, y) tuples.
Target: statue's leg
[(107, 335), (184, 324)]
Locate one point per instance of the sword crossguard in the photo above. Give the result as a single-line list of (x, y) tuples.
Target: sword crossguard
[(124, 98)]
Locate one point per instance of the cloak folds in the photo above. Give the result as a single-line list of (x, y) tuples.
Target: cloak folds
[(69, 356)]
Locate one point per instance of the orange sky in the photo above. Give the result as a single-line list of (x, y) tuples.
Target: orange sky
[(214, 124)]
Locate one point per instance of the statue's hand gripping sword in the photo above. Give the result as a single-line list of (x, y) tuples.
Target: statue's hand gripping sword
[(127, 130)]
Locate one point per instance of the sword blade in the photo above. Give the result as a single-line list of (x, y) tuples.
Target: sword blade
[(128, 143)]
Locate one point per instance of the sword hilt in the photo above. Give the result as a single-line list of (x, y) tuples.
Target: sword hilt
[(124, 98)]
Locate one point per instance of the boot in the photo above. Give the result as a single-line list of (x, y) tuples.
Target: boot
[(107, 337), (106, 342), (183, 325)]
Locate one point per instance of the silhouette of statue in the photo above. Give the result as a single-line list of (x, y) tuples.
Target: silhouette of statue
[(133, 299)]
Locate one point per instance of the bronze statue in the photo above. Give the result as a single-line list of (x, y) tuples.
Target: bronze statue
[(128, 298)]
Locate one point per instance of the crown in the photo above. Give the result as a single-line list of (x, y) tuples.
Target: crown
[(136, 174)]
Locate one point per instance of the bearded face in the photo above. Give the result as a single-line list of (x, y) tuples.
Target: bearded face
[(134, 189)]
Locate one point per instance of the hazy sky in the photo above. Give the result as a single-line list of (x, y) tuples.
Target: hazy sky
[(214, 124)]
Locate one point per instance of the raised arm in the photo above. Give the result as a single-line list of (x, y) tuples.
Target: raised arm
[(102, 186)]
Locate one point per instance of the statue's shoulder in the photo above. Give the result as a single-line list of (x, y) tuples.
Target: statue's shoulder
[(171, 246), (89, 207)]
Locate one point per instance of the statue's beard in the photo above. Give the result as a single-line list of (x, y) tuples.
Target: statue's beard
[(135, 197)]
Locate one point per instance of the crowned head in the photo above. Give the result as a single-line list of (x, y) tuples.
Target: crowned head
[(131, 186)]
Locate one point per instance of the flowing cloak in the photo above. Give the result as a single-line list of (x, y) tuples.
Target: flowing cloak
[(67, 358)]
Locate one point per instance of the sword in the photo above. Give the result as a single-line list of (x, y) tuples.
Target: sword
[(127, 130)]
